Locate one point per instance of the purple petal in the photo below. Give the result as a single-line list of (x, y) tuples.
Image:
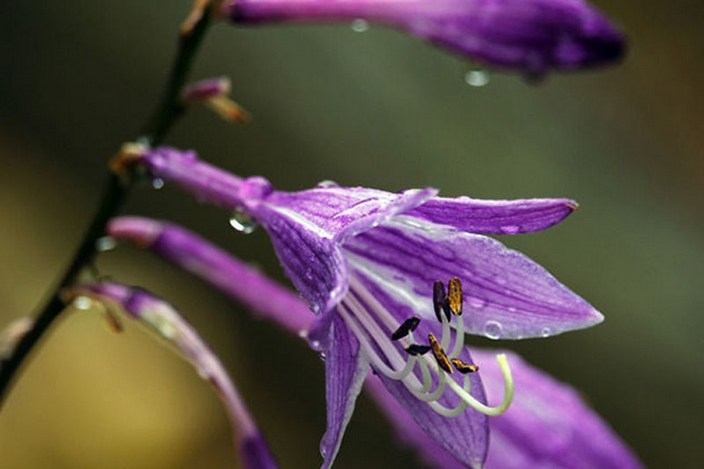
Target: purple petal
[(506, 294), (306, 229), (495, 216), (217, 267), (345, 371), (548, 424), (407, 430), (466, 436), (528, 35)]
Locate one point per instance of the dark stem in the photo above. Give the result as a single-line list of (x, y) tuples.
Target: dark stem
[(114, 196)]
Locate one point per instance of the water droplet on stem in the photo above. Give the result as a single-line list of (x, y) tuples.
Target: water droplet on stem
[(242, 222)]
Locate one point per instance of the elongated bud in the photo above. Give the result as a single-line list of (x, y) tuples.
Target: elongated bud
[(532, 36), (163, 319)]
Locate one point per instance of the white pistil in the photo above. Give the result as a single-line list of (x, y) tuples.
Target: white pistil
[(363, 313)]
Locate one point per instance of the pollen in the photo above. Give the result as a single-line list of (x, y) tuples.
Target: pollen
[(440, 301), (463, 367), (408, 326), (454, 295), (440, 355)]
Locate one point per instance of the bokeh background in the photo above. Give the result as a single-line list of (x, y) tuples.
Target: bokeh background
[(376, 108)]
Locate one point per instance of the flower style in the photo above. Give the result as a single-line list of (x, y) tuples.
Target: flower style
[(533, 36), (368, 263)]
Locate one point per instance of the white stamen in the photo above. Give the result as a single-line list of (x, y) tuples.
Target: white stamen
[(363, 313)]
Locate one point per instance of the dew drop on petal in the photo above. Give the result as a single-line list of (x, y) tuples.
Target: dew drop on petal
[(546, 332), (83, 303), (360, 25), (242, 222), (477, 77), (316, 345), (326, 184), (492, 329), (105, 243), (157, 183)]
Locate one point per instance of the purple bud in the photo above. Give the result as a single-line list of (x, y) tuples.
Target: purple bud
[(532, 36)]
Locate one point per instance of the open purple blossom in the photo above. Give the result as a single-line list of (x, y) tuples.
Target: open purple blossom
[(533, 36), (547, 424), (164, 320), (372, 266)]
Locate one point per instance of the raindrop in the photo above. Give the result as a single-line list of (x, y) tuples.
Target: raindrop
[(83, 303), (106, 243), (492, 329), (477, 77), (326, 184), (510, 229), (359, 25), (157, 183), (316, 345), (546, 332), (242, 222), (476, 303)]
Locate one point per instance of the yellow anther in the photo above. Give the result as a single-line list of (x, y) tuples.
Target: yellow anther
[(454, 295)]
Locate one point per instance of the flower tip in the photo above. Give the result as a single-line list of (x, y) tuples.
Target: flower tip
[(572, 205), (141, 231), (255, 453)]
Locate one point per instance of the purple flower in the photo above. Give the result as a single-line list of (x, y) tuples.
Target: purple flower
[(164, 320), (372, 266), (548, 425), (533, 36)]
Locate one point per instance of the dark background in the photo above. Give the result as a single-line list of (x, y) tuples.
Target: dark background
[(378, 109)]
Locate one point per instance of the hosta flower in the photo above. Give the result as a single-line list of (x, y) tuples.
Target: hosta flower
[(529, 35), (372, 265), (547, 425)]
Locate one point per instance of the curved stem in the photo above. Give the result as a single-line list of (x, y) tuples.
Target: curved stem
[(168, 112)]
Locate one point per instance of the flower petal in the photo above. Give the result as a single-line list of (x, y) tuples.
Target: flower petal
[(506, 294), (495, 216), (306, 228), (345, 371), (407, 430), (548, 424), (466, 437)]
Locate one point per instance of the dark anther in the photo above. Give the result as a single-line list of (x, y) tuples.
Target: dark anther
[(454, 295), (408, 325), (440, 356), (415, 349), (463, 367), (440, 301)]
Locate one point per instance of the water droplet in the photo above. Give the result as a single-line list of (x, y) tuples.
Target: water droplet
[(477, 77), (546, 332), (511, 309), (359, 25), (303, 334), (476, 303), (242, 222), (492, 330), (157, 183), (322, 357), (83, 303), (316, 345), (327, 183), (510, 229), (106, 243)]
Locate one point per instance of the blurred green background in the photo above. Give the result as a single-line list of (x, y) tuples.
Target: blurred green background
[(378, 109)]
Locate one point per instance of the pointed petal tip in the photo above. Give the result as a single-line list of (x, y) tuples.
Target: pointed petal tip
[(572, 205)]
